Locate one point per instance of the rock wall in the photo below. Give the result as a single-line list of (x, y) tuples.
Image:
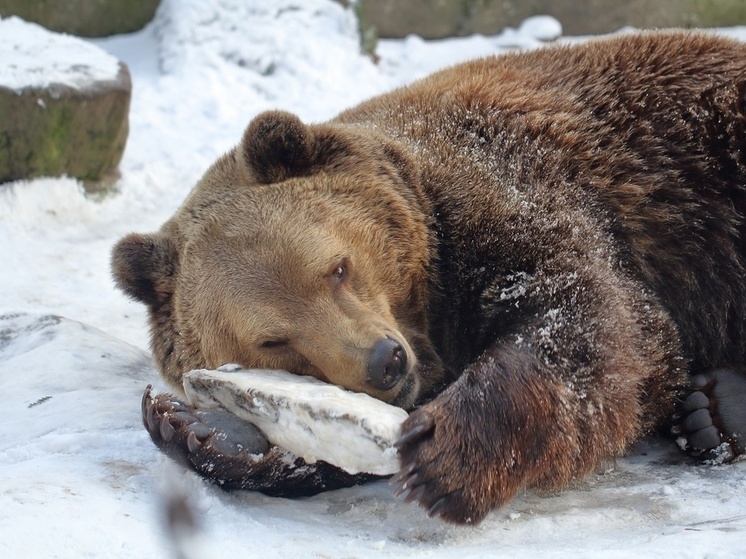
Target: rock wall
[(445, 18)]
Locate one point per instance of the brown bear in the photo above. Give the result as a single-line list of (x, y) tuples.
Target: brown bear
[(531, 252)]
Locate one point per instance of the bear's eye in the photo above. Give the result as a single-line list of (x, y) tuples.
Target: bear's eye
[(271, 344), (339, 272)]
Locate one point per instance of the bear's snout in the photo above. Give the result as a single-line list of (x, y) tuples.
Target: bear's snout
[(386, 364)]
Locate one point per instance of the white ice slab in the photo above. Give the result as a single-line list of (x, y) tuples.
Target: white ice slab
[(310, 418)]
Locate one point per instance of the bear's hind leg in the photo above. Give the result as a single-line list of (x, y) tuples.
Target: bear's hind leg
[(713, 417)]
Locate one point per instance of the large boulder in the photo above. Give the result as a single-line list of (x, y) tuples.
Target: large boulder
[(446, 18), (64, 105), (86, 18)]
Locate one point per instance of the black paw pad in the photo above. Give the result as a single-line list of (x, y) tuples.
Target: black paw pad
[(713, 417), (197, 438)]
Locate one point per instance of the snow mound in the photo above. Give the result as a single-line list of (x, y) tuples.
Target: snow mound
[(72, 448), (306, 50), (33, 57), (49, 365)]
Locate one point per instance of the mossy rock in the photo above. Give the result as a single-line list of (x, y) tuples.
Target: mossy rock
[(60, 130), (64, 105), (85, 18)]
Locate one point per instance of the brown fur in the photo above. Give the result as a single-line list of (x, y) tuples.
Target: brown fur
[(556, 238)]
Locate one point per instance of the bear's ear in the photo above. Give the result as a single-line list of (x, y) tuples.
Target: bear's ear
[(277, 146), (144, 267)]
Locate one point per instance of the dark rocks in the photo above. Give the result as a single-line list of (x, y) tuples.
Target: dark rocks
[(445, 18), (86, 18)]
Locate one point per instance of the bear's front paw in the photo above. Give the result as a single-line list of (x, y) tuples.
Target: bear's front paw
[(435, 472), (214, 442), (713, 419), (233, 453)]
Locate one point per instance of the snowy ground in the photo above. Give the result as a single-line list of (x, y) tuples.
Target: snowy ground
[(78, 474)]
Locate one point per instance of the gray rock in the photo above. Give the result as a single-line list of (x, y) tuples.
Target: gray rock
[(85, 18)]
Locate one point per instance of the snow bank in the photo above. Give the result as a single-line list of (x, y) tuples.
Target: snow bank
[(299, 54)]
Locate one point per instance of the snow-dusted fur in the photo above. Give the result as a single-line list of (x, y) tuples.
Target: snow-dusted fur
[(555, 238)]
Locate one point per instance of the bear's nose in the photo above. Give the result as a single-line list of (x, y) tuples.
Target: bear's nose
[(386, 364)]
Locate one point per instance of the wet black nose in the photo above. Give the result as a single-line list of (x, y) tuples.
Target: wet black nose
[(386, 364)]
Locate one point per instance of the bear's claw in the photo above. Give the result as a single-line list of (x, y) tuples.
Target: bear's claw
[(712, 422), (233, 453), (415, 433), (409, 481), (424, 477)]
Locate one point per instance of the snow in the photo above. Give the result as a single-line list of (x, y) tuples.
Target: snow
[(312, 419), (35, 58), (542, 28), (79, 475)]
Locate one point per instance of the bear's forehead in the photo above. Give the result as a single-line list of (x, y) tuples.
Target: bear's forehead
[(260, 234), (312, 212), (231, 205), (264, 250)]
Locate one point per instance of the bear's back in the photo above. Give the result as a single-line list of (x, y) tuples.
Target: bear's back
[(646, 130)]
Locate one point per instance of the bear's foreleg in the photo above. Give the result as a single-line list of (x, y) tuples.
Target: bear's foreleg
[(573, 385), (500, 427)]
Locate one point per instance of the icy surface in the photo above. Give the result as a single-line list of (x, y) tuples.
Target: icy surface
[(33, 57), (79, 476), (310, 418)]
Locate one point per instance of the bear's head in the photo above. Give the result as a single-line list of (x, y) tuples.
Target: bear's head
[(305, 248)]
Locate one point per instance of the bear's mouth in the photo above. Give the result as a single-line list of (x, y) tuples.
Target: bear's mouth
[(409, 391)]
